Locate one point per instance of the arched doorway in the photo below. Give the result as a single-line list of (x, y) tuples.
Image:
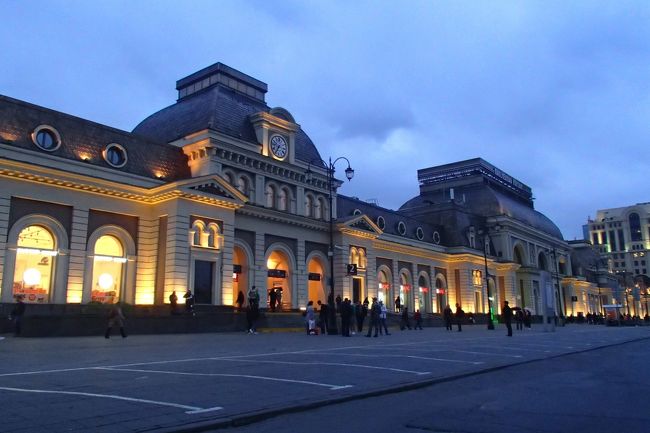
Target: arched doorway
[(279, 264), (405, 287), (385, 292), (240, 273), (316, 290), (423, 294), (441, 294)]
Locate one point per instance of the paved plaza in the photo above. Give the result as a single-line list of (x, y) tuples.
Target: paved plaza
[(208, 381)]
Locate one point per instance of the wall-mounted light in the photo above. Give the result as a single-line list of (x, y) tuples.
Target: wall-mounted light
[(84, 157)]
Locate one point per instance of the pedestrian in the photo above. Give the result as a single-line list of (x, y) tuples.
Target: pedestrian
[(115, 317), (447, 313), (278, 298), (375, 312), (273, 297), (346, 312), (398, 304), (353, 317), (383, 311), (17, 314), (460, 315), (519, 319), (189, 302), (173, 302), (254, 297), (405, 322), (240, 300), (506, 311), (418, 320), (361, 313), (252, 313), (528, 319), (322, 317), (338, 303), (310, 318)]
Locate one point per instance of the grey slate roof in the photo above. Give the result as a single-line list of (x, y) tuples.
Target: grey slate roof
[(347, 205), (18, 119), (221, 109), (487, 201)]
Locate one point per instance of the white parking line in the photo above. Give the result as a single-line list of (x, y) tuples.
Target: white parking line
[(336, 364), (407, 356), (188, 409), (471, 352), (246, 376), (519, 349)]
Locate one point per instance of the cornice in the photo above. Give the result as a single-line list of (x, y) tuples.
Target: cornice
[(282, 217)]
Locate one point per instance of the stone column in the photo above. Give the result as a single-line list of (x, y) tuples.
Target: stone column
[(177, 255), (5, 203), (78, 251), (226, 296), (145, 278)]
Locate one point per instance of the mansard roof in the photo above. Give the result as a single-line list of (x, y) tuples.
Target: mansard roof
[(84, 140)]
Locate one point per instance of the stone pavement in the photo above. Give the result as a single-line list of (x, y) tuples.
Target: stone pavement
[(194, 382)]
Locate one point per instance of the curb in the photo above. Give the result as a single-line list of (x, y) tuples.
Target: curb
[(262, 415)]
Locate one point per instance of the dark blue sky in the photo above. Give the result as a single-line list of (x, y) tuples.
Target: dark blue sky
[(555, 93)]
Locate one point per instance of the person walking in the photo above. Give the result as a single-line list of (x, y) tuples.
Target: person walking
[(17, 314), (254, 297), (278, 298), (310, 318), (375, 312), (346, 312), (418, 320), (447, 314), (383, 311), (273, 297), (460, 315), (115, 317), (240, 300), (173, 302), (506, 311), (189, 302), (398, 304), (361, 311), (519, 319), (405, 322), (322, 317), (252, 313)]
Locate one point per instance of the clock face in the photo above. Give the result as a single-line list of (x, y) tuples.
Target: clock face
[(279, 146)]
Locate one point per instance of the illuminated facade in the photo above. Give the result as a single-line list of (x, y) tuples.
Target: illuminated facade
[(211, 194)]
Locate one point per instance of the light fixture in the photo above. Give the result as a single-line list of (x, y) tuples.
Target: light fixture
[(349, 173), (32, 277), (105, 281)]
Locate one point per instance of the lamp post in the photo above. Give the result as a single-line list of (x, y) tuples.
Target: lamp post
[(332, 328), (486, 239)]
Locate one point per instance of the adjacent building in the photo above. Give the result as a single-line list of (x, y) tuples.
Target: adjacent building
[(219, 192)]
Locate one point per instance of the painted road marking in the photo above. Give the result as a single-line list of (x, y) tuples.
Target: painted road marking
[(407, 356), (246, 376), (188, 409), (335, 364), (457, 351)]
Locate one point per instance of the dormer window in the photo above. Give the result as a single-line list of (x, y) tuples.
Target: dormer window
[(46, 138), (115, 155), (401, 228)]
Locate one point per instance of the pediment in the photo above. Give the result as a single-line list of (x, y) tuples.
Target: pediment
[(361, 223)]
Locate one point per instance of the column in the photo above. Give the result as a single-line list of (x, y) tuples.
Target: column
[(77, 262), (177, 256), (5, 203), (145, 278), (301, 275), (260, 276), (226, 296)]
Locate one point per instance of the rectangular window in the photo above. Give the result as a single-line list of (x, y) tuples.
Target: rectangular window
[(594, 238), (612, 241), (603, 238), (621, 240)]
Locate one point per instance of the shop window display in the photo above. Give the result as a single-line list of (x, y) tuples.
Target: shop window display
[(35, 255), (108, 267)]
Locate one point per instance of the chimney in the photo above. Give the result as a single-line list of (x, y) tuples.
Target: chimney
[(224, 75)]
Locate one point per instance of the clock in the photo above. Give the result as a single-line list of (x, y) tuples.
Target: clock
[(279, 146)]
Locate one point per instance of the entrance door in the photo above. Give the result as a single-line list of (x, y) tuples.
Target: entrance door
[(356, 290), (203, 275)]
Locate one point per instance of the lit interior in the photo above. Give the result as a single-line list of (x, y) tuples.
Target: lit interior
[(34, 263), (108, 267)]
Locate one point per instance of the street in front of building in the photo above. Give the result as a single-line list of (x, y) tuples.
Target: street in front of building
[(208, 381)]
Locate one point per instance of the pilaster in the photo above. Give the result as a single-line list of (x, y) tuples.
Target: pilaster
[(145, 279), (5, 203), (301, 274), (77, 255), (177, 256), (226, 296)]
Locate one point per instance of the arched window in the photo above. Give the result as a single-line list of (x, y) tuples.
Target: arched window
[(309, 205), (318, 209), (198, 235), (228, 176), (635, 227), (282, 199), (270, 196), (354, 256), (214, 236), (363, 262), (34, 264), (108, 269), (242, 185), (322, 204)]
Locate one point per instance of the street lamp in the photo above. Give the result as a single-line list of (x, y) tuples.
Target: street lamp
[(349, 174), (486, 239)]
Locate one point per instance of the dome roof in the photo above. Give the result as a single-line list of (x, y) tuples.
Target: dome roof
[(218, 108)]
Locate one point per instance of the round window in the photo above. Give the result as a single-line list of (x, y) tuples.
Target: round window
[(419, 233), (46, 138), (381, 223), (436, 237), (401, 228), (356, 212), (115, 155)]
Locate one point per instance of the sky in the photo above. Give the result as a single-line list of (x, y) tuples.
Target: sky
[(554, 93)]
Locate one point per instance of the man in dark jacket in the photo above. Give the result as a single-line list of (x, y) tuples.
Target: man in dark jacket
[(447, 313), (375, 312), (460, 316), (17, 315), (506, 311), (322, 317), (346, 313)]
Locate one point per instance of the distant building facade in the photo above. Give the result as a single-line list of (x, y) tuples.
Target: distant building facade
[(622, 237), (219, 192)]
